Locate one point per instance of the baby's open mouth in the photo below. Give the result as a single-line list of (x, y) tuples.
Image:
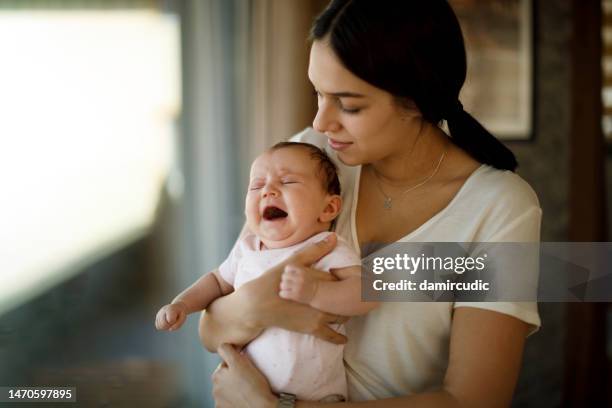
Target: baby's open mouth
[(272, 213)]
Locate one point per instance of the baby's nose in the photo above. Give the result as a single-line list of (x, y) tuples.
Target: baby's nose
[(270, 192)]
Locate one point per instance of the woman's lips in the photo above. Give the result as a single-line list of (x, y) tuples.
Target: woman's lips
[(336, 145)]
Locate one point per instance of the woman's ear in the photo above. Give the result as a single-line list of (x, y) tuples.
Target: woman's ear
[(332, 208), (407, 109)]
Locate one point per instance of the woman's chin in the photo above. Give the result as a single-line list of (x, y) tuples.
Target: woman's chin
[(348, 159)]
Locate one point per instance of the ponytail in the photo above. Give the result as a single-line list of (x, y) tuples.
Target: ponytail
[(467, 133)]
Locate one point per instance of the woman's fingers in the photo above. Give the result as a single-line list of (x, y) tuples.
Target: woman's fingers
[(238, 383), (328, 334), (335, 319), (313, 252), (314, 273), (228, 354), (323, 331)]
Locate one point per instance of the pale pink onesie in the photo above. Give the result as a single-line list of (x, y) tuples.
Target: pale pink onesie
[(295, 363)]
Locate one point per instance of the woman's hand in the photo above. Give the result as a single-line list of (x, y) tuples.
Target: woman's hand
[(238, 383), (243, 315)]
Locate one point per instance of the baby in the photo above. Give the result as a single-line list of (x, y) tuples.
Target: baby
[(292, 201)]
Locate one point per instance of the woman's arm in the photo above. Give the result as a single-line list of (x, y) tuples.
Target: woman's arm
[(486, 350), (485, 358), (241, 316)]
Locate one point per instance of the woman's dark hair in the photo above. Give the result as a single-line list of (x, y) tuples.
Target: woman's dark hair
[(414, 50), (328, 171)]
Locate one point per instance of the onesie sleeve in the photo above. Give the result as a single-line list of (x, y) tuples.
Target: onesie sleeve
[(342, 256), (229, 267)]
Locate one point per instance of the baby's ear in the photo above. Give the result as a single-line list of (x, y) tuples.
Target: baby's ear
[(332, 208)]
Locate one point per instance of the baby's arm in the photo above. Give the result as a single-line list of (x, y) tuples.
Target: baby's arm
[(195, 298), (341, 297)]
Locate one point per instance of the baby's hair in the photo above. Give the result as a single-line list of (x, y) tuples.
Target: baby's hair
[(327, 168)]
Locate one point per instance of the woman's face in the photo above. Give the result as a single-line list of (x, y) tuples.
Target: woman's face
[(363, 123)]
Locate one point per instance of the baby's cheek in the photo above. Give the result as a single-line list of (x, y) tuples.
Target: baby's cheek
[(252, 218), (306, 216), (301, 205), (251, 214)]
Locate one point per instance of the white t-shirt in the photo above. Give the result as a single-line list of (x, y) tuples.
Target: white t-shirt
[(402, 348)]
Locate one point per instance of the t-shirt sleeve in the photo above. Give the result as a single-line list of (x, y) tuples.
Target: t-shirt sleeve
[(342, 256), (229, 267), (524, 228)]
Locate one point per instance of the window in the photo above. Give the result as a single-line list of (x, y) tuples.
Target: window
[(89, 99)]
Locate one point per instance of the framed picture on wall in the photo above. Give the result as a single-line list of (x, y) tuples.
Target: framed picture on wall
[(499, 87)]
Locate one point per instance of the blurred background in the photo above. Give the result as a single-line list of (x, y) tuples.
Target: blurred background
[(126, 135)]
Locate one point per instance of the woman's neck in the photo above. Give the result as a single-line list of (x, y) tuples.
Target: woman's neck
[(414, 161)]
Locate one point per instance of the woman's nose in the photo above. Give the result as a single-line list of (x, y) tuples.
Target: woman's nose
[(325, 120)]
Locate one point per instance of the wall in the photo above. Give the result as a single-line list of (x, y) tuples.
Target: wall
[(543, 162)]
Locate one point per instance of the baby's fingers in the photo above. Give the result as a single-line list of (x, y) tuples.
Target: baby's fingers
[(179, 322), (171, 316), (160, 320)]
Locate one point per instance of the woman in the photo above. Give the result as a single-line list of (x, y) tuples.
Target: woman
[(386, 75)]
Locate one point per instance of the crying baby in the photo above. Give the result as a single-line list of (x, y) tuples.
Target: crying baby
[(292, 201)]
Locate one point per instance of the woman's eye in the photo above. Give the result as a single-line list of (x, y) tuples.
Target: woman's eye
[(350, 111), (289, 182), (253, 188)]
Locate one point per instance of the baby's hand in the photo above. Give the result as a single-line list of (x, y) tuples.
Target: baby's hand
[(298, 285), (171, 317)]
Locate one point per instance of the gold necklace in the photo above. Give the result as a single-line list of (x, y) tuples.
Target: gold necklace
[(388, 204)]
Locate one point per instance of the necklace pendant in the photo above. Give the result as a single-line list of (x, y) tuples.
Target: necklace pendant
[(387, 204)]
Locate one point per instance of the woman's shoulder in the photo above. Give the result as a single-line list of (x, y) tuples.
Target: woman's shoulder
[(503, 205), (492, 205), (502, 188)]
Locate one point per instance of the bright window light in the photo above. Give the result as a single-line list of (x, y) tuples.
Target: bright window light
[(89, 101)]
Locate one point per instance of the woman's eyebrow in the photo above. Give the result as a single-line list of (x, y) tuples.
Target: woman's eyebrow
[(347, 95)]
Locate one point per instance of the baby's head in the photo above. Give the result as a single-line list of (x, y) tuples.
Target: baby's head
[(294, 193)]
